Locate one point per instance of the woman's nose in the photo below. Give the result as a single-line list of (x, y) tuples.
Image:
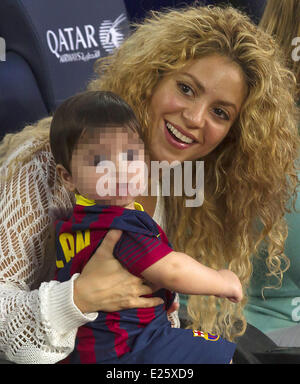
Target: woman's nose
[(195, 115)]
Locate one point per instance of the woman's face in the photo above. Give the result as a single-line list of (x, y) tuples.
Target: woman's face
[(193, 109)]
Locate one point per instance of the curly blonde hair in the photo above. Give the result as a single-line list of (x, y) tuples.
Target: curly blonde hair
[(251, 176), (281, 19)]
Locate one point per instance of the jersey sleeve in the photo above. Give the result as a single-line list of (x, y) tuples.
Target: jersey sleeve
[(137, 252)]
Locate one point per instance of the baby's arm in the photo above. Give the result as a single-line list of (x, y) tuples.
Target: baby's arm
[(181, 273)]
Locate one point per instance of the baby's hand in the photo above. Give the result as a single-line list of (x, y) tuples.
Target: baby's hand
[(233, 289)]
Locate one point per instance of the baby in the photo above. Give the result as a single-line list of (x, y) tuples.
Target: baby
[(92, 136)]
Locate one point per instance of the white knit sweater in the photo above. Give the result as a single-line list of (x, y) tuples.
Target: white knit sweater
[(38, 318)]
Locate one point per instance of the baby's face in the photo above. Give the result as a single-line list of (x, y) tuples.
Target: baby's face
[(108, 165)]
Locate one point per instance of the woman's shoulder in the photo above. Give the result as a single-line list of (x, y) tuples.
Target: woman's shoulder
[(17, 149), (30, 151), (31, 168), (29, 162), (26, 160)]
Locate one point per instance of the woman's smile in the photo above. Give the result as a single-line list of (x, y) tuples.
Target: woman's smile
[(177, 137)]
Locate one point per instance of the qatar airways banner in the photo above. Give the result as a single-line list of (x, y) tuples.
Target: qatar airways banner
[(85, 42), (62, 39)]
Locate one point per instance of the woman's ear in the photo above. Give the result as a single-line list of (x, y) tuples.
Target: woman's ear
[(65, 177)]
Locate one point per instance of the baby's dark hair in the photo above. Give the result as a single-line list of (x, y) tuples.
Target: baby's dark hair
[(83, 112)]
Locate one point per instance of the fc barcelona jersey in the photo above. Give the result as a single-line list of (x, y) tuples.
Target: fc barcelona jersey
[(142, 244)]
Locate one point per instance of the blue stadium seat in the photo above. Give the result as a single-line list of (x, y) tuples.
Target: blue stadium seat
[(51, 47), (137, 10)]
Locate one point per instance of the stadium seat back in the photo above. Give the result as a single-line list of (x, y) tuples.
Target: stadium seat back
[(51, 48)]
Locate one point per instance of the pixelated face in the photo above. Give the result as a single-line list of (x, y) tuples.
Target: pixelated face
[(193, 109), (108, 165)]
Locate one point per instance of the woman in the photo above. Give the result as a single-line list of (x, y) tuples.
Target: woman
[(205, 84)]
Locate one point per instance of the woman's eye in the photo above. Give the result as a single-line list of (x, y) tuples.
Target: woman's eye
[(185, 89), (222, 114)]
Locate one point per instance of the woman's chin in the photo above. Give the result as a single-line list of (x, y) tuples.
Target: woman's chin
[(161, 155)]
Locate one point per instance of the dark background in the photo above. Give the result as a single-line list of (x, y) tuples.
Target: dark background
[(137, 9)]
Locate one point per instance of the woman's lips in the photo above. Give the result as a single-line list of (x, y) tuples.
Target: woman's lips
[(177, 143), (182, 131)]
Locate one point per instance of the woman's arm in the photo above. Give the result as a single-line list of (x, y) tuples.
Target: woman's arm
[(26, 332), (181, 273)]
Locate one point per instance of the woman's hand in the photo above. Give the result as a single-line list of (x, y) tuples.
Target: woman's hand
[(104, 285)]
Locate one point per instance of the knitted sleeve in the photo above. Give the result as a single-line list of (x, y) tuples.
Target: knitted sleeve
[(38, 319)]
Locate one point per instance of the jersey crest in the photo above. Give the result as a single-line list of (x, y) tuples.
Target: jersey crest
[(205, 335)]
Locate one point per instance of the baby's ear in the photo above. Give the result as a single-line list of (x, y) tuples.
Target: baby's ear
[(65, 177)]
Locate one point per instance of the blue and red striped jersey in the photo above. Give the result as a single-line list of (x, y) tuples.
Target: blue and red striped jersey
[(142, 244)]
